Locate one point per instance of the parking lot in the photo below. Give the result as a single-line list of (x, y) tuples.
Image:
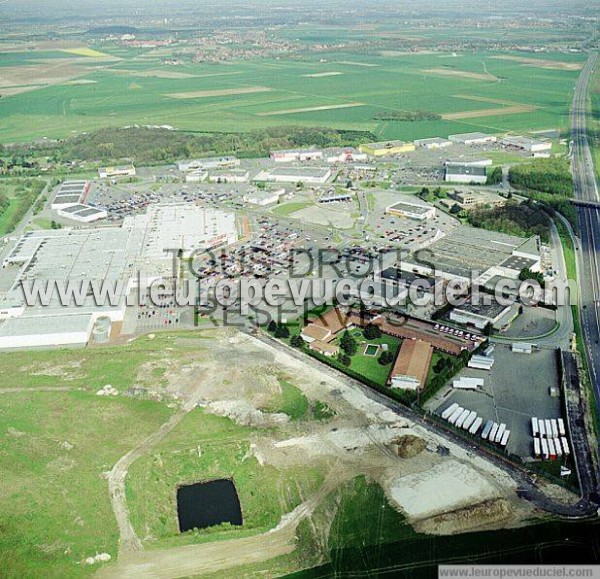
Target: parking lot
[(515, 389)]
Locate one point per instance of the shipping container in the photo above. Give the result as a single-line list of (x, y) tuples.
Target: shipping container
[(548, 428), (554, 428), (561, 427), (534, 426), (505, 438), (542, 428), (565, 446), (536, 447)]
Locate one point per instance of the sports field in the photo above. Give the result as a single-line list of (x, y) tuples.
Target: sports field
[(56, 93)]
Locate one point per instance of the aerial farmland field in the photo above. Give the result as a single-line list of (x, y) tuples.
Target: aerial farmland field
[(83, 90)]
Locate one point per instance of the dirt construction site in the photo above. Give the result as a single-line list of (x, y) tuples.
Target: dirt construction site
[(437, 486)]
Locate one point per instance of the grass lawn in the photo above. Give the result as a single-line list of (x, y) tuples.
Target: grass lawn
[(291, 401), (368, 366), (55, 508), (206, 447), (362, 501), (288, 208), (20, 195)]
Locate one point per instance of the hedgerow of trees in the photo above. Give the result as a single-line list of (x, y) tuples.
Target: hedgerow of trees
[(153, 146)]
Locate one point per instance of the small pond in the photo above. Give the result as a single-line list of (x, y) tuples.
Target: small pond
[(206, 504)]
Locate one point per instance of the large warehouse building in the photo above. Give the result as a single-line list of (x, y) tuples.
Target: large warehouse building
[(290, 155), (468, 251), (386, 148), (526, 144), (420, 212), (112, 256), (465, 174), (472, 138), (306, 175)]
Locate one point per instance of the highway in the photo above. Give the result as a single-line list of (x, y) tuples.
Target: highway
[(586, 191)]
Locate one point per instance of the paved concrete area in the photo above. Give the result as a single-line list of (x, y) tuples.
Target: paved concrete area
[(517, 388)]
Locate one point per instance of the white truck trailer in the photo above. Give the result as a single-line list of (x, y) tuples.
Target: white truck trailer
[(500, 433), (493, 432), (476, 425), (448, 412), (487, 429), (454, 417), (470, 419), (542, 428), (462, 418)]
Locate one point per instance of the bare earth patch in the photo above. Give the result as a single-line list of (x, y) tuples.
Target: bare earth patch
[(321, 74), (310, 109), (500, 111), (220, 92), (461, 73), (542, 63)]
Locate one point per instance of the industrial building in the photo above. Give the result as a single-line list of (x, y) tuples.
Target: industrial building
[(306, 175), (480, 315), (468, 198), (290, 155), (433, 143), (196, 176), (465, 174), (472, 138), (208, 163), (123, 171), (348, 155), (526, 144), (229, 176), (468, 253), (334, 197), (411, 211), (263, 198), (482, 162), (82, 213), (386, 148), (412, 365), (70, 193), (117, 258)]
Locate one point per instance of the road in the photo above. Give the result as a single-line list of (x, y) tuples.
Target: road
[(586, 189)]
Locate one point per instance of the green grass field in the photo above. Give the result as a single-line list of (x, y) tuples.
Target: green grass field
[(20, 195), (206, 447), (55, 446), (135, 90)]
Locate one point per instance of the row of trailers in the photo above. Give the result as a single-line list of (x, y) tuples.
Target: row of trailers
[(469, 421), (549, 438)]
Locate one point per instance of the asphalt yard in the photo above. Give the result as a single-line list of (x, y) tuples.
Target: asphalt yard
[(515, 389)]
